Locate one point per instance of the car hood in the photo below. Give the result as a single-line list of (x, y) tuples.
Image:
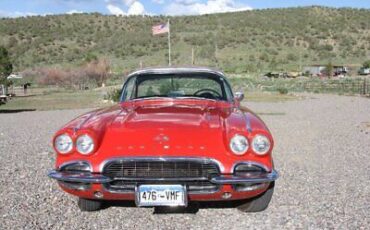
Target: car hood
[(163, 128)]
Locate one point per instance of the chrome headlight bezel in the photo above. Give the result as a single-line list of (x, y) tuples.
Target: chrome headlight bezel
[(63, 140), (239, 144), (85, 144), (261, 144)]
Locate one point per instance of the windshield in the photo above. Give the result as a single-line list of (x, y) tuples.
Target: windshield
[(203, 86)]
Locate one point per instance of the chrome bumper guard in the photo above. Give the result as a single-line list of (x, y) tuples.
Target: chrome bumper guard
[(81, 177), (86, 177), (250, 179)]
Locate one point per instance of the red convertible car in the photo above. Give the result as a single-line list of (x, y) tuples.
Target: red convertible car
[(178, 135)]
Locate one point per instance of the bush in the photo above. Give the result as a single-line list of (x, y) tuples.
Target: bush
[(366, 64), (114, 95), (282, 90)]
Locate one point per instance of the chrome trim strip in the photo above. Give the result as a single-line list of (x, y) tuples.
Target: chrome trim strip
[(164, 70), (249, 163), (136, 196), (78, 187), (105, 187), (264, 178), (79, 125), (140, 179), (78, 177), (174, 98), (60, 168), (249, 127), (185, 195), (164, 159), (248, 188), (204, 192)]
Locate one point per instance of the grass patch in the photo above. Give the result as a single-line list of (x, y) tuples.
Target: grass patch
[(342, 86), (268, 97), (57, 100), (69, 99)]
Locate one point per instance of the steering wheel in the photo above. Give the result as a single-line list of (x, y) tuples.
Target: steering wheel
[(208, 93)]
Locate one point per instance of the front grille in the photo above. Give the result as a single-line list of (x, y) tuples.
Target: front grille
[(147, 169), (120, 186)]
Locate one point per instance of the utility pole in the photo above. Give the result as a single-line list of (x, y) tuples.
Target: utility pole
[(300, 60), (169, 42)]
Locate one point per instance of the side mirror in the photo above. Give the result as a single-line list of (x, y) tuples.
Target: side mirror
[(239, 96)]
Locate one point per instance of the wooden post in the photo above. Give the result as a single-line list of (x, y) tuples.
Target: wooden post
[(192, 56)]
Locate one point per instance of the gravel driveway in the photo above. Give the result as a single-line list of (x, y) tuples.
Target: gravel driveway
[(322, 153)]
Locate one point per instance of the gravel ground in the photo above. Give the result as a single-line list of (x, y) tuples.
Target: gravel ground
[(322, 154)]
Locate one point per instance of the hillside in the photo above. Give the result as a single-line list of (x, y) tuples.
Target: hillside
[(250, 41)]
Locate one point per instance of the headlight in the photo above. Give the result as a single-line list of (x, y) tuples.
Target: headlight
[(261, 144), (63, 144), (239, 145), (85, 144)]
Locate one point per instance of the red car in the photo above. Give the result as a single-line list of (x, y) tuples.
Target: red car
[(178, 135)]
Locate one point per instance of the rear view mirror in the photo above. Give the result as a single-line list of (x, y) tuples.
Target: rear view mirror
[(239, 96)]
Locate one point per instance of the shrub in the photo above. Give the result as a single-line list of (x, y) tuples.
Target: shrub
[(366, 64), (282, 90), (114, 95)]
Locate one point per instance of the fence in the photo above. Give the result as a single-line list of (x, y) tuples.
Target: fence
[(355, 86), (340, 86)]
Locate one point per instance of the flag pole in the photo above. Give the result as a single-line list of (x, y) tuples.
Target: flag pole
[(169, 42)]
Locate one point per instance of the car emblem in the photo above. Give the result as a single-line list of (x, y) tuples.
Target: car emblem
[(161, 138)]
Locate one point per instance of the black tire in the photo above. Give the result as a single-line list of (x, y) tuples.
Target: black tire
[(260, 203), (86, 205)]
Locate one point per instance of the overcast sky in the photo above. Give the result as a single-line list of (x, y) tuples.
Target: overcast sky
[(16, 8)]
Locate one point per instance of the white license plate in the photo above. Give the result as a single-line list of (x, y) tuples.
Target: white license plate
[(161, 195)]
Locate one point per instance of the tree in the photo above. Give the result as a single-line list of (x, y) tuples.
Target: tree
[(329, 69), (98, 71), (6, 66), (366, 64)]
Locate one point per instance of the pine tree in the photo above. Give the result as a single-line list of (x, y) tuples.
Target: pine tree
[(6, 66)]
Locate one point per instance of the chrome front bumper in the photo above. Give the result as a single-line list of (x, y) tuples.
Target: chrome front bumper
[(250, 179), (86, 177), (79, 177)]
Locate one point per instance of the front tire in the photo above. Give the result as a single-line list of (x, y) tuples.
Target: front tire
[(86, 205), (259, 203)]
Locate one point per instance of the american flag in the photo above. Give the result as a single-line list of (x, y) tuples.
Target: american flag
[(161, 29)]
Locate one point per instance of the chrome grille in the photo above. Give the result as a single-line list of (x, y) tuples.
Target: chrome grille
[(122, 169), (120, 186)]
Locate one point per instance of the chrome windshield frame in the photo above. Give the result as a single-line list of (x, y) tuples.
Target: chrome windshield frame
[(182, 70)]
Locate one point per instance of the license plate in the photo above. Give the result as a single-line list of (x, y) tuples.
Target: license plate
[(161, 195)]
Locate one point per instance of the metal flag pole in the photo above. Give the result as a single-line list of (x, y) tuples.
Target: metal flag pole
[(169, 42)]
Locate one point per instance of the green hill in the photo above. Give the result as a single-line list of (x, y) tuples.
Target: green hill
[(250, 41)]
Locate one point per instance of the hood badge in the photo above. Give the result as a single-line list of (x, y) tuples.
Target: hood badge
[(161, 138)]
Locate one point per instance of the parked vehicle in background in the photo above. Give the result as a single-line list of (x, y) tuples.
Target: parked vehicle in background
[(293, 74), (340, 71), (273, 75), (3, 94), (364, 71), (321, 70)]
